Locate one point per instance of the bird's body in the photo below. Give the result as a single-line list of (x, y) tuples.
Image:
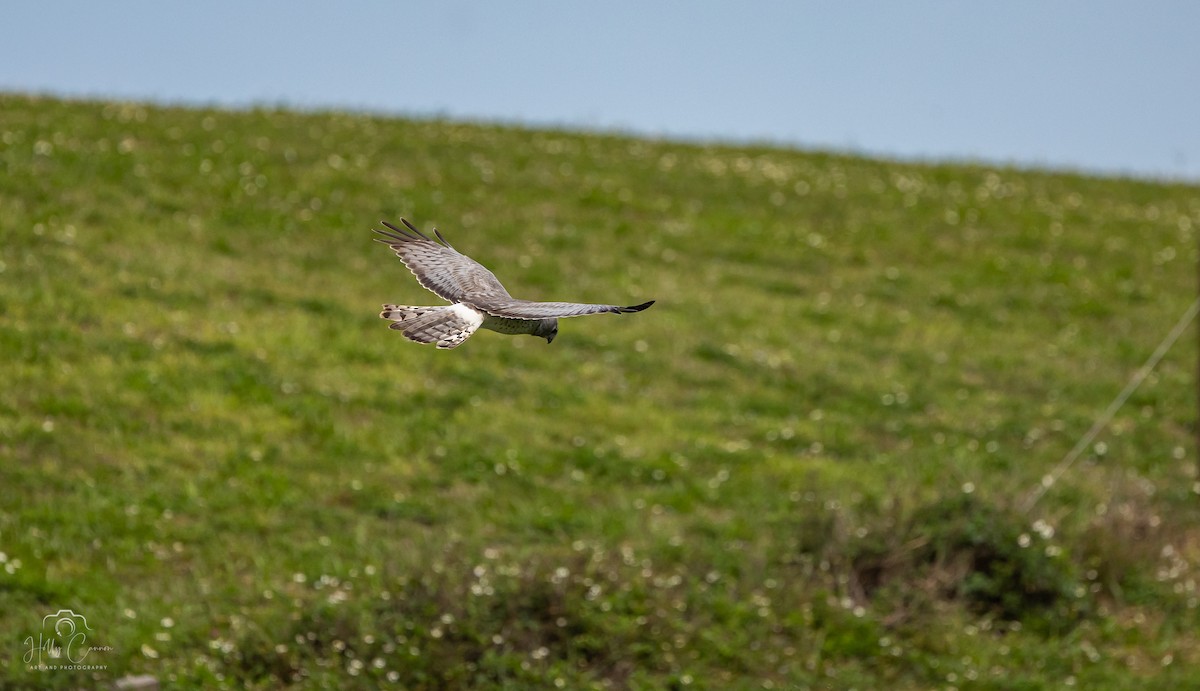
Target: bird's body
[(450, 325), (478, 300)]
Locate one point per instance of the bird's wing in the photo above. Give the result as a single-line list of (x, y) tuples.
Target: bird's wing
[(525, 309), (440, 268)]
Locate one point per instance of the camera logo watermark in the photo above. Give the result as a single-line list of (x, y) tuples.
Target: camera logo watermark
[(63, 644)]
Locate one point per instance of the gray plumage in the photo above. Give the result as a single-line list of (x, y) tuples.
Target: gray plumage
[(477, 296)]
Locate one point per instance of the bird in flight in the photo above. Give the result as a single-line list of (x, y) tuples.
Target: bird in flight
[(476, 296)]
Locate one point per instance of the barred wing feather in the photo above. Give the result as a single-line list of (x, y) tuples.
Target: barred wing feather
[(526, 309), (440, 268)]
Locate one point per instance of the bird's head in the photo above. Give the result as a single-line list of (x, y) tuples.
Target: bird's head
[(548, 329)]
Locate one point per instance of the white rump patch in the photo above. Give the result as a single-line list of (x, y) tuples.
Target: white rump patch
[(468, 314)]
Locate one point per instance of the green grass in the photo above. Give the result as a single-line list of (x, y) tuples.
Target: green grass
[(802, 468)]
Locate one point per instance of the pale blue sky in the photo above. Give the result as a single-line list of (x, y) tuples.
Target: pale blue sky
[(1103, 86)]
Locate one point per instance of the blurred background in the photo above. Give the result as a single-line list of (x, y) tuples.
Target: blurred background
[(1106, 86), (904, 255)]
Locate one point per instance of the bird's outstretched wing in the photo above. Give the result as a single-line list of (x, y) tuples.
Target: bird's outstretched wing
[(525, 309), (440, 268), (456, 277)]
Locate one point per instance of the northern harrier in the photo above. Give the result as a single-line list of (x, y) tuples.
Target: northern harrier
[(476, 296)]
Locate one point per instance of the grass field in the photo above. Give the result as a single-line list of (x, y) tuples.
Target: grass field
[(804, 467)]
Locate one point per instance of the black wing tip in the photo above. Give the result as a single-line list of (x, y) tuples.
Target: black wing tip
[(409, 232), (636, 308), (392, 238), (393, 228)]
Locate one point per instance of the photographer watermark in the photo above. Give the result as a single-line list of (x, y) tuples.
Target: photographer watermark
[(63, 644)]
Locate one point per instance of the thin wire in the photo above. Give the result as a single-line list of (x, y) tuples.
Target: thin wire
[(1065, 464)]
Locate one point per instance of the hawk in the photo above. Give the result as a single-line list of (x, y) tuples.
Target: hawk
[(476, 296)]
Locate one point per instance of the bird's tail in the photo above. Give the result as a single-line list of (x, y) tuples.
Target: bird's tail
[(446, 326)]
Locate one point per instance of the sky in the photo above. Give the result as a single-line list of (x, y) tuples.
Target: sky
[(1101, 86)]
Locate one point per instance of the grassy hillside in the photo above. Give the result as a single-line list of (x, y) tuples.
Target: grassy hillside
[(803, 468)]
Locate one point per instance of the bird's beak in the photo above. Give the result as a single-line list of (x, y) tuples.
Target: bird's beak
[(550, 339)]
